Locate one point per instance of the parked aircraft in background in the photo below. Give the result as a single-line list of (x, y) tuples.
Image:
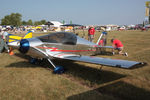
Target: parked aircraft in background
[(13, 37)]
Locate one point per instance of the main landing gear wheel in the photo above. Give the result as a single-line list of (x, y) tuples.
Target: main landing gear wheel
[(58, 70)]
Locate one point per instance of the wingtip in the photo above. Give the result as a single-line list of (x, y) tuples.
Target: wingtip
[(139, 65)]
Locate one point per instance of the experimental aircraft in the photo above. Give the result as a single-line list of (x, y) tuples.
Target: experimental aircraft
[(68, 46)]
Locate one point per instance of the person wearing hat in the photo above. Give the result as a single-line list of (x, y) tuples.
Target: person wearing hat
[(118, 46)]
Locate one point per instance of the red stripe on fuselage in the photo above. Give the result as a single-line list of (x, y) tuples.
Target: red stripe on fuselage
[(47, 47), (72, 50)]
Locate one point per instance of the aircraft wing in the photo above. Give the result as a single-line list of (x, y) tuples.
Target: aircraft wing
[(104, 61), (95, 60)]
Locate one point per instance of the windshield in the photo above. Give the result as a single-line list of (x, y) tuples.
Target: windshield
[(60, 37)]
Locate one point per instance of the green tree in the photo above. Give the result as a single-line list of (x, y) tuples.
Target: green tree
[(71, 22), (40, 22), (13, 19), (43, 21), (6, 20), (63, 21), (24, 23), (29, 22), (37, 23)]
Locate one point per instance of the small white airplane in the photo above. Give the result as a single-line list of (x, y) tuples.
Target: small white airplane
[(65, 45)]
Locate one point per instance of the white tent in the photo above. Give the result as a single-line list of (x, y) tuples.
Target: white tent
[(56, 23)]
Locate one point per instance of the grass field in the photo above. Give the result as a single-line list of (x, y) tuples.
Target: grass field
[(20, 80)]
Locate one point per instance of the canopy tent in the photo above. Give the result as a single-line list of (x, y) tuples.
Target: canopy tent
[(73, 25)]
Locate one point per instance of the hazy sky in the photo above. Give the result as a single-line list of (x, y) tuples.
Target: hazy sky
[(86, 12)]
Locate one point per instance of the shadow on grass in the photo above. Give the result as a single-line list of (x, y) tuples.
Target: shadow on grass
[(21, 64), (108, 53), (119, 90), (91, 76), (26, 63), (22, 56)]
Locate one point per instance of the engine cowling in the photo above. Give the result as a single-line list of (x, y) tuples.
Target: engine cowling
[(24, 46)]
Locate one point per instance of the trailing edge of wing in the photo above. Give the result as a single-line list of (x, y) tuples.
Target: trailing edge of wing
[(106, 61)]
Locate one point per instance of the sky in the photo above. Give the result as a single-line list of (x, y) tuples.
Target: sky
[(85, 12)]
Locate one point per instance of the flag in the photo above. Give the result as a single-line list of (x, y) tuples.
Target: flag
[(147, 12)]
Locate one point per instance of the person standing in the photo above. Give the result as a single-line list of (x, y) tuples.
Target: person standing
[(3, 44), (91, 32), (5, 36)]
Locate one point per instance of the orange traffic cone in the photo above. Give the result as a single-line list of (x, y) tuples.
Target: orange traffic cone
[(11, 52)]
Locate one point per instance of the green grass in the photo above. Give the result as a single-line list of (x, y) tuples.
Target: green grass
[(20, 80)]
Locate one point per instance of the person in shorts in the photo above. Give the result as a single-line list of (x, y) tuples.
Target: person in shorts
[(118, 46)]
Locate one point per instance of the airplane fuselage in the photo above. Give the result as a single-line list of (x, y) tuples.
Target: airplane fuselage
[(57, 42)]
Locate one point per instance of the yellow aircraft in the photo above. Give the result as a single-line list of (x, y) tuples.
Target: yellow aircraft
[(15, 37)]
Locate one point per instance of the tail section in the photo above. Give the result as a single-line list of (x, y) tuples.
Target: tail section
[(28, 35)]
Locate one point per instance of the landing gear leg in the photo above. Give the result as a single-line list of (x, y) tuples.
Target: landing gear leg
[(57, 69), (100, 69)]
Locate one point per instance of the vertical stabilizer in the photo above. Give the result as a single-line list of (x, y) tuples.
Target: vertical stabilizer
[(28, 35)]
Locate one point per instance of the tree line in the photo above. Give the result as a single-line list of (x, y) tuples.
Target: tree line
[(15, 19)]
